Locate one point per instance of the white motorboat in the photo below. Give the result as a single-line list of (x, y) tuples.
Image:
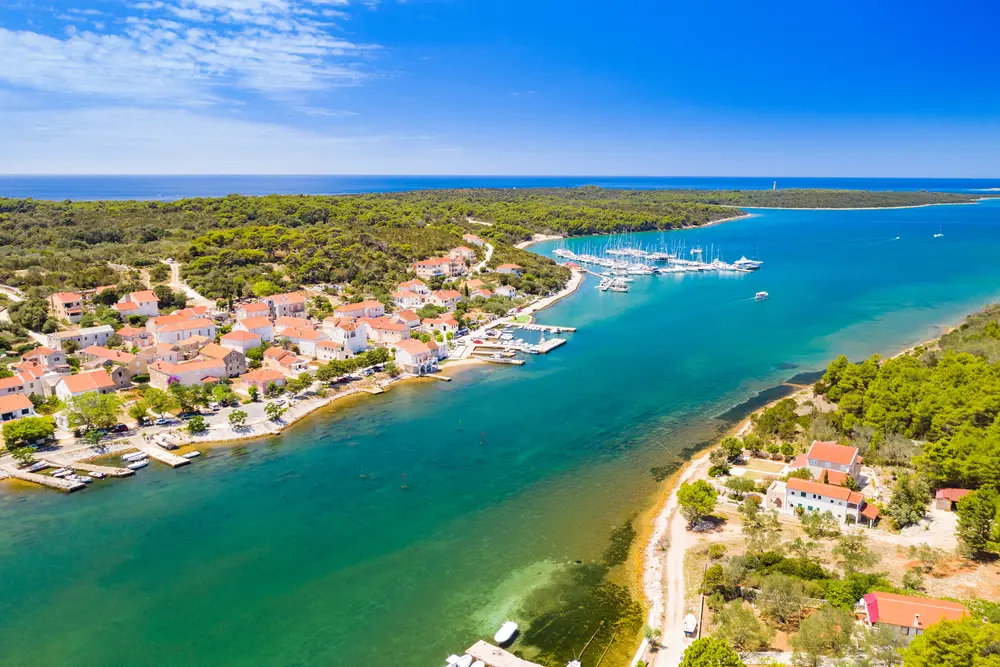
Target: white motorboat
[(192, 455), (62, 472), (136, 465), (761, 296), (134, 456), (97, 474), (505, 633)]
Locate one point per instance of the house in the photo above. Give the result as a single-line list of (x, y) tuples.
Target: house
[(473, 239), (473, 285), (509, 269), (70, 386), (176, 332), (328, 350), (234, 359), (846, 506), (446, 298), (436, 267), (255, 309), (144, 302), (155, 325), (260, 326), (446, 324), (14, 406), (67, 306), (407, 299), (505, 291), (482, 293), (273, 355), (947, 499), (134, 336), (416, 286), (908, 616), (32, 377), (352, 334), (133, 364), (407, 317), (462, 253), (292, 304), (161, 352), (45, 356), (292, 363), (261, 378), (304, 338), (385, 331), (416, 357), (82, 337), (118, 374), (369, 308), (186, 373), (11, 385), (830, 462), (241, 340)]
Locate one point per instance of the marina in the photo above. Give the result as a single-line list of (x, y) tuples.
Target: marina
[(622, 261)]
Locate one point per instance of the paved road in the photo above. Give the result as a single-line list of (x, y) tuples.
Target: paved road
[(482, 265)]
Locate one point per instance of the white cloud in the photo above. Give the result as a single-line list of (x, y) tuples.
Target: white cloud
[(194, 52)]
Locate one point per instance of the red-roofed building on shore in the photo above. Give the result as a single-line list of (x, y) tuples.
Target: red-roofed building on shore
[(908, 616), (351, 333), (947, 499), (67, 306), (70, 386), (830, 462), (385, 330), (804, 495), (14, 406), (262, 377), (134, 336), (162, 374), (446, 324), (415, 357)]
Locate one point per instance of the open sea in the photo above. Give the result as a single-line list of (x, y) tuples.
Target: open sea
[(177, 187), (305, 549)]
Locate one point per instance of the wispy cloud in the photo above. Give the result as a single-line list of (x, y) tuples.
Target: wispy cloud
[(188, 52)]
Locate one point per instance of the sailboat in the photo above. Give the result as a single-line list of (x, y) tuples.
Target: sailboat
[(939, 233), (775, 186)]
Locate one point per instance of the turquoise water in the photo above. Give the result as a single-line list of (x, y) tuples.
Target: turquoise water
[(305, 550)]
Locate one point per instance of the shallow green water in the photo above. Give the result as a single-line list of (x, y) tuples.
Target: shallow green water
[(282, 553)]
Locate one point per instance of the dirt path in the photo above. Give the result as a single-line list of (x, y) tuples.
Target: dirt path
[(178, 284)]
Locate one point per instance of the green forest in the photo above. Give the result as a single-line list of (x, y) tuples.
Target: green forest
[(368, 240)]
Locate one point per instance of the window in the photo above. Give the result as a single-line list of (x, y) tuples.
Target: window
[(906, 631)]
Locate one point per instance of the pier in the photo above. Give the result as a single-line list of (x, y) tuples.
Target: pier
[(544, 327), (494, 656), (57, 483), (160, 454), (89, 467)]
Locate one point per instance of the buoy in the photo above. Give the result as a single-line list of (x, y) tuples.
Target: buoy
[(404, 481)]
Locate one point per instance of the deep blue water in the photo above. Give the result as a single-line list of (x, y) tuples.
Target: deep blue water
[(177, 187)]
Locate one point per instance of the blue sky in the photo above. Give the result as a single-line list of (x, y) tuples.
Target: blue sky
[(500, 87)]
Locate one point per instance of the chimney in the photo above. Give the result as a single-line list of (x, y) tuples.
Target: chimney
[(916, 620)]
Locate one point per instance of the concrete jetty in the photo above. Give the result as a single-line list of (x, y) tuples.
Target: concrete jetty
[(544, 327), (58, 483), (494, 656), (160, 454), (89, 467)]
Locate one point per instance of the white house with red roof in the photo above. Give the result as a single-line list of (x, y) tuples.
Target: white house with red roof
[(233, 359), (241, 340), (187, 373), (82, 337), (445, 298), (462, 253), (435, 267), (131, 362), (305, 338), (260, 326), (505, 291), (291, 304), (415, 285), (830, 462), (407, 299), (509, 269), (255, 309), (908, 616), (70, 386), (473, 239), (67, 306), (407, 317), (445, 324), (368, 308), (351, 333), (134, 336), (45, 356), (175, 332), (804, 495), (328, 350), (262, 377), (415, 357), (14, 406), (385, 331), (143, 302)]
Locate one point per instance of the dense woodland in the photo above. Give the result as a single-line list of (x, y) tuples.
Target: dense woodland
[(368, 240)]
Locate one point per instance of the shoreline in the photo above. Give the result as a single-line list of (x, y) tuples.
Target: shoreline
[(660, 570)]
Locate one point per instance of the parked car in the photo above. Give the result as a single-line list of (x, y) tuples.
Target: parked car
[(163, 421), (189, 415), (119, 428)]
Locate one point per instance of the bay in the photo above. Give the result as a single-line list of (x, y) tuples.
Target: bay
[(305, 549)]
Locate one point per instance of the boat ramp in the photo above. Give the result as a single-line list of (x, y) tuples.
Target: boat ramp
[(159, 453), (107, 471), (58, 483)]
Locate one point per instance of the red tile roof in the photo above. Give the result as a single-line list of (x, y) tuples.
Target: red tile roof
[(239, 334), (66, 297), (14, 403), (89, 381), (832, 452), (105, 353), (255, 322), (954, 495), (826, 490), (910, 612), (11, 382), (262, 375)]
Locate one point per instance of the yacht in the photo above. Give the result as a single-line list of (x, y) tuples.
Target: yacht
[(134, 456), (192, 455), (505, 633), (939, 233), (747, 264), (761, 296)]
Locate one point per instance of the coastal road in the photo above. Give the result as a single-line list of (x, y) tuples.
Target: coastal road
[(176, 283)]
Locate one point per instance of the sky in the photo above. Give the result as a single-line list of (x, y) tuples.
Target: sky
[(546, 87)]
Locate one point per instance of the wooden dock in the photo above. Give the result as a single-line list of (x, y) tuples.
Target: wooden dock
[(494, 656), (58, 483), (160, 454)]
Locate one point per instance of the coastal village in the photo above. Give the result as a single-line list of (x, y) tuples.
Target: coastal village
[(91, 400)]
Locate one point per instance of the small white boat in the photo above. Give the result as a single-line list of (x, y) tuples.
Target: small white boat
[(97, 474), (134, 456), (761, 296), (192, 455), (86, 479), (465, 661), (479, 663), (62, 472), (138, 464), (505, 633), (574, 663), (35, 467)]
